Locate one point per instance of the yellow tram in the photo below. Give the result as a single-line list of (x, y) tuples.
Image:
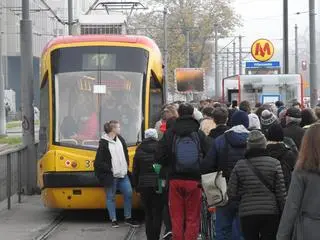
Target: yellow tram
[(85, 81)]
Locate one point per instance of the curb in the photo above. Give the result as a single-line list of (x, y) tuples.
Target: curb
[(4, 147)]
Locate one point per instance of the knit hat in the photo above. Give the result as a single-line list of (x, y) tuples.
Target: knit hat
[(267, 118), (151, 133), (256, 140), (254, 122), (294, 112), (240, 118), (275, 133)]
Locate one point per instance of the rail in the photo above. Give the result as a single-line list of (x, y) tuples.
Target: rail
[(12, 176)]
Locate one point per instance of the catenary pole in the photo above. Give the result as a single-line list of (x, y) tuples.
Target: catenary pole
[(2, 95), (314, 83), (216, 62), (70, 16), (285, 38), (165, 30), (27, 96)]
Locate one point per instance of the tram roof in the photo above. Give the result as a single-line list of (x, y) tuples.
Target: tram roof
[(103, 38)]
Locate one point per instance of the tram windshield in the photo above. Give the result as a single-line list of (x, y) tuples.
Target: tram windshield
[(93, 85)]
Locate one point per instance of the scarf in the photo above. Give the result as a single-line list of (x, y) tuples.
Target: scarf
[(118, 159)]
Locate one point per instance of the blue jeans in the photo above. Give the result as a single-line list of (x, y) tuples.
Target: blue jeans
[(228, 222), (124, 186)]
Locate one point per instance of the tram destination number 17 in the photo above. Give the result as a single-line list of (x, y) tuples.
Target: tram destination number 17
[(103, 61)]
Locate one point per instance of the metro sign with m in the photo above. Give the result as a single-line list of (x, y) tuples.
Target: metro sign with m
[(262, 50)]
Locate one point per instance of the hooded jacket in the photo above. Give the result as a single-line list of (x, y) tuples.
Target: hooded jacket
[(143, 175), (226, 151), (286, 157), (103, 162), (255, 197), (181, 127), (301, 216)]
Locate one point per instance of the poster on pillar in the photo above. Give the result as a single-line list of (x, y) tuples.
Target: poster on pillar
[(190, 80)]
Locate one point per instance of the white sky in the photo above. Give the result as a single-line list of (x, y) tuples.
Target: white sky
[(263, 19)]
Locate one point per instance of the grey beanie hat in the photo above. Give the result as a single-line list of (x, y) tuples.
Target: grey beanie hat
[(151, 133), (256, 140)]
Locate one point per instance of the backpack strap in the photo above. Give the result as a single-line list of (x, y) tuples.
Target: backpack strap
[(195, 137)]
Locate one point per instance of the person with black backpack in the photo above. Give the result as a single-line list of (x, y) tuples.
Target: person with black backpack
[(277, 149), (182, 149), (145, 181)]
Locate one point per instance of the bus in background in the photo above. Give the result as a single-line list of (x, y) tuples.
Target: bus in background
[(85, 81), (263, 88)]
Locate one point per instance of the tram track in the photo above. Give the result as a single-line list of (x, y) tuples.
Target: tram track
[(132, 233), (64, 226), (49, 231)]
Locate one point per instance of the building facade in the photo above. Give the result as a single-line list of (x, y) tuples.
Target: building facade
[(44, 28)]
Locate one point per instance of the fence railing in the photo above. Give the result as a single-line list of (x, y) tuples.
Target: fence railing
[(12, 176)]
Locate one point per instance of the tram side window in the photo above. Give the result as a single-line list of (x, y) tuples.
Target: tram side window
[(156, 101), (44, 116)]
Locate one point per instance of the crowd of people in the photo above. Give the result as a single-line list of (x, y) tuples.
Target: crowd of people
[(267, 154)]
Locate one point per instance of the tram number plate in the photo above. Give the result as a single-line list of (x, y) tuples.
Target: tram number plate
[(89, 163)]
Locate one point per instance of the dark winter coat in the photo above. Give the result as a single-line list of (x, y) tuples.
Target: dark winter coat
[(218, 158), (143, 174), (218, 131), (301, 215), (183, 126), (255, 198), (103, 163), (295, 132), (166, 170), (231, 112), (286, 157)]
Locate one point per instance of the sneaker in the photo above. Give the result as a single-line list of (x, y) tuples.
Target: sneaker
[(131, 222), (115, 224), (167, 235)]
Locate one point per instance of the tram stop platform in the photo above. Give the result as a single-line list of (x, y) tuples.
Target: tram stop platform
[(24, 220), (30, 220)]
